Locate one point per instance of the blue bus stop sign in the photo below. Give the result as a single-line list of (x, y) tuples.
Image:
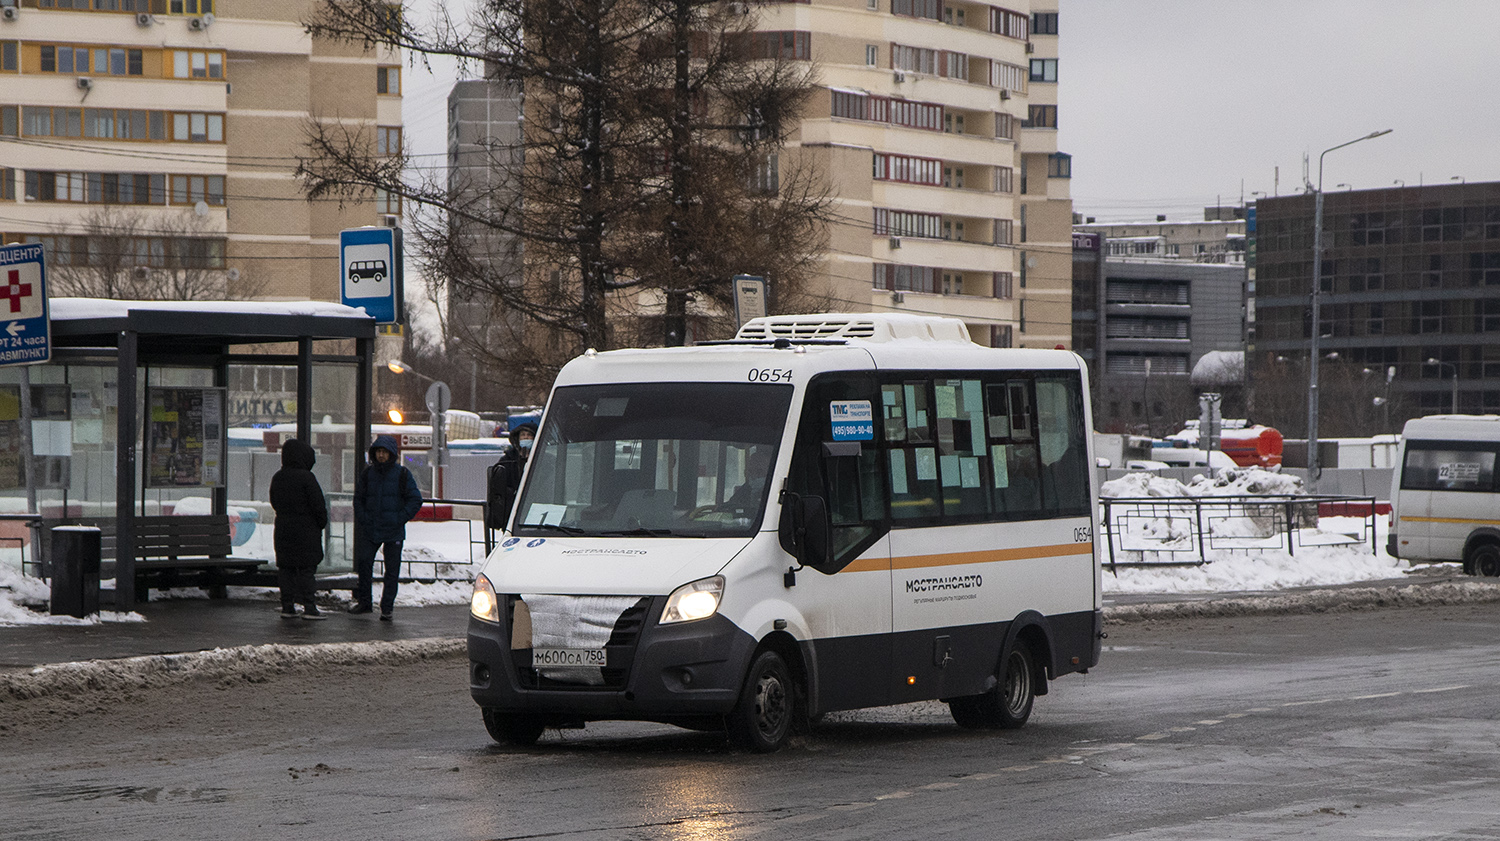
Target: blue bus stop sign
[(370, 272), (25, 328)]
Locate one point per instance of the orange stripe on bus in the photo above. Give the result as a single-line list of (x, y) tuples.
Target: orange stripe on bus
[(986, 556), (1451, 520)]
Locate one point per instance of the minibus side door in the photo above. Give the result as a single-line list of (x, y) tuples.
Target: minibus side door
[(846, 599)]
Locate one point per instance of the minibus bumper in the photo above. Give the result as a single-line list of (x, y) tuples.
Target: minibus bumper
[(672, 673)]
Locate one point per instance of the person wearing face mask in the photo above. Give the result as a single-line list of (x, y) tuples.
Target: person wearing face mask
[(505, 475)]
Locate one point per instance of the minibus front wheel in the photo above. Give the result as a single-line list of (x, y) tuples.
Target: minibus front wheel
[(513, 729), (762, 719)]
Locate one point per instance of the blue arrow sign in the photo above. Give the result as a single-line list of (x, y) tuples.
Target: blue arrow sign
[(370, 271), (25, 328)]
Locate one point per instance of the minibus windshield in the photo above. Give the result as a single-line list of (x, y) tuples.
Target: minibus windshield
[(654, 459)]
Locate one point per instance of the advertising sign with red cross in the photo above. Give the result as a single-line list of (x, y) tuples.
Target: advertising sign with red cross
[(25, 329)]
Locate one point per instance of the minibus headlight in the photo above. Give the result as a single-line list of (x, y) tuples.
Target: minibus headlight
[(483, 604), (695, 600)]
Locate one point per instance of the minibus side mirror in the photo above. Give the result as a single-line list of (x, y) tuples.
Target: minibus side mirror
[(805, 530)]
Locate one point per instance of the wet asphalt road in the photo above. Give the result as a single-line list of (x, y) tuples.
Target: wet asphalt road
[(1379, 724)]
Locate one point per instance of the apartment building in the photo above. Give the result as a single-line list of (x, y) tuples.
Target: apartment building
[(1143, 322), (1409, 308), (179, 122), (937, 127)]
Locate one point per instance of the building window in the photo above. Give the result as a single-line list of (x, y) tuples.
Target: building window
[(900, 278), (1059, 165), (98, 187), (907, 169), (10, 56), (857, 105), (1005, 126), (1004, 285), (387, 141), (198, 128), (914, 59), (7, 184), (930, 9), (1043, 70), (1040, 116), (767, 177), (388, 80), (1005, 179), (100, 123), (196, 64), (1010, 77), (1010, 24), (387, 203), (953, 123), (902, 223), (1044, 23), (102, 61), (787, 45), (1004, 231), (191, 7), (872, 55), (191, 189)]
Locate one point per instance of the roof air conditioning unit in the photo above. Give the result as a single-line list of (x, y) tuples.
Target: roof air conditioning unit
[(84, 83), (899, 76), (10, 13), (390, 221), (1004, 94), (201, 23), (144, 19), (1030, 47), (895, 242)]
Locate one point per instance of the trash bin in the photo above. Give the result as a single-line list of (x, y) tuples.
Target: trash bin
[(74, 556)]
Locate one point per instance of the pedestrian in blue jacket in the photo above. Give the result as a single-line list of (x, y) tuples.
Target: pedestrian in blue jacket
[(386, 497)]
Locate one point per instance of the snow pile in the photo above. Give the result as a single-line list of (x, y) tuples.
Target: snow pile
[(19, 593), (1245, 481), (240, 663), (1314, 601)]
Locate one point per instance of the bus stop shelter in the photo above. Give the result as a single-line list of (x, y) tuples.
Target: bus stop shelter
[(134, 407)]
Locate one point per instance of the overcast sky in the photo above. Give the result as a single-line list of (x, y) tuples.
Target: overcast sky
[(1169, 106)]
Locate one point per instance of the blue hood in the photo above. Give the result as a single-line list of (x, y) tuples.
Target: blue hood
[(388, 443)]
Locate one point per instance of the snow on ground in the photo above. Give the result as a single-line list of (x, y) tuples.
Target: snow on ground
[(447, 549)]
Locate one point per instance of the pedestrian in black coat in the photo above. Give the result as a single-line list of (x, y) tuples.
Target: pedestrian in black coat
[(505, 475), (301, 516)]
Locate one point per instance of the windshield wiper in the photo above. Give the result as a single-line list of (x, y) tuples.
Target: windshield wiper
[(553, 527), (636, 532)]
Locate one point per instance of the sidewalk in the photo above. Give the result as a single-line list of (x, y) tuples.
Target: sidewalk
[(178, 626)]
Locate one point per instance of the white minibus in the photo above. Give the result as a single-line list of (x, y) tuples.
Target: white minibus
[(827, 512), (1445, 505)]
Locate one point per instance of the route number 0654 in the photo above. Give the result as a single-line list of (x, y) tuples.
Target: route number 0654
[(770, 375)]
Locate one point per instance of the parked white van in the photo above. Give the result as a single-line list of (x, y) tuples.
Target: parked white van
[(828, 512), (1445, 505)]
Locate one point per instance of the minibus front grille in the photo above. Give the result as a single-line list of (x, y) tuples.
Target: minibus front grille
[(621, 652)]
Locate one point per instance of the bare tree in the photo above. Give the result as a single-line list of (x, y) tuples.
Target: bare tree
[(651, 168), (127, 253)]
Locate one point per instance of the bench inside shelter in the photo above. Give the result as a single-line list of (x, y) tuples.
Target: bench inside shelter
[(175, 551)]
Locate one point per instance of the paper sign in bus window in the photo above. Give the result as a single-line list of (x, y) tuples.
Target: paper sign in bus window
[(852, 420), (1459, 472)]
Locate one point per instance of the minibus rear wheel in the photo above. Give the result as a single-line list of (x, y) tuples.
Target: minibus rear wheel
[(1008, 704), (511, 729), (1484, 559), (762, 720)]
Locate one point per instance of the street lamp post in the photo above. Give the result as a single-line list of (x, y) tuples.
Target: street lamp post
[(1313, 468), (438, 397), (1441, 365)]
